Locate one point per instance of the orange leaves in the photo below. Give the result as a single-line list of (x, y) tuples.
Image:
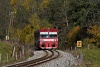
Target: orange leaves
[(73, 32), (95, 31)]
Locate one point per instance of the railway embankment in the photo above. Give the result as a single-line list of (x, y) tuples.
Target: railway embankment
[(64, 60)]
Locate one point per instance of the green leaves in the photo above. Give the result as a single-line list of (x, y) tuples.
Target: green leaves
[(27, 34), (81, 12), (37, 14)]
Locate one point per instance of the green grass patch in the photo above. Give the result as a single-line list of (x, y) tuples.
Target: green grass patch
[(91, 55), (5, 48)]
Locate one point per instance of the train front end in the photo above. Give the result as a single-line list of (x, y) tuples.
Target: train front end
[(48, 38)]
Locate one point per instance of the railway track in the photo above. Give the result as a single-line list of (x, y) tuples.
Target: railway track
[(49, 55)]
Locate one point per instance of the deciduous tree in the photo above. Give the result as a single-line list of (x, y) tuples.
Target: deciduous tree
[(71, 36), (95, 32)]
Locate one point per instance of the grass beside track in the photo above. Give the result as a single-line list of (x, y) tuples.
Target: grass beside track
[(91, 56), (5, 48)]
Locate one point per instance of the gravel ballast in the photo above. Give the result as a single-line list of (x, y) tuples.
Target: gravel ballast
[(37, 54), (65, 60)]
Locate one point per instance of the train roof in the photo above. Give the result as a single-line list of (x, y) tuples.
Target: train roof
[(49, 29)]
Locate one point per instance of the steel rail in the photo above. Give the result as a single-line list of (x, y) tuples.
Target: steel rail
[(26, 62), (52, 57), (38, 61)]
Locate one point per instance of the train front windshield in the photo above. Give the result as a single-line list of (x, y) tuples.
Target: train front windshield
[(53, 34), (44, 36), (48, 34)]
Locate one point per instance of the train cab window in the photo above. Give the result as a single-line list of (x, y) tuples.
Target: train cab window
[(44, 36), (53, 35)]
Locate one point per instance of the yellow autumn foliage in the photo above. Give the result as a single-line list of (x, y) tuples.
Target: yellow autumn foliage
[(44, 4), (88, 40), (26, 35), (13, 2), (27, 4), (72, 35), (34, 21), (95, 32)]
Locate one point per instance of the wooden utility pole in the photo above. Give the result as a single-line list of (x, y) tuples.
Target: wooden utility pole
[(13, 52), (0, 57), (65, 8), (11, 22), (7, 57)]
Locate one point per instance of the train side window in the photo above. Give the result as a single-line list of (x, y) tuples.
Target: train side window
[(53, 35)]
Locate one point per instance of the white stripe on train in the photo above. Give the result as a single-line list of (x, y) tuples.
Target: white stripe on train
[(48, 32), (48, 39)]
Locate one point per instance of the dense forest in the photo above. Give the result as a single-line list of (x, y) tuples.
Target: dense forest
[(75, 20)]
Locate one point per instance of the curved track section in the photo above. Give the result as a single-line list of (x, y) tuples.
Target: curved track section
[(50, 55)]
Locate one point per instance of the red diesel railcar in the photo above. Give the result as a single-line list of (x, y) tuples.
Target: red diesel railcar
[(46, 38)]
